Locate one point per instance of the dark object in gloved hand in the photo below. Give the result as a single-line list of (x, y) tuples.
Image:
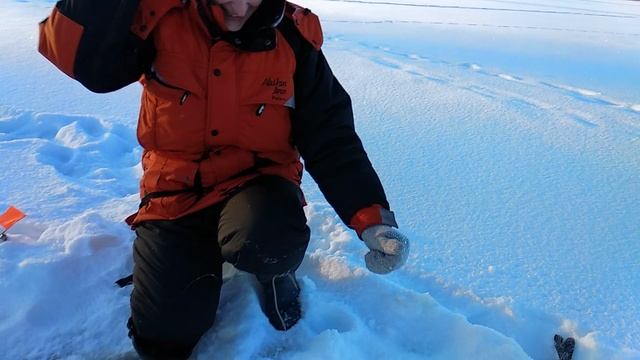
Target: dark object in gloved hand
[(564, 347)]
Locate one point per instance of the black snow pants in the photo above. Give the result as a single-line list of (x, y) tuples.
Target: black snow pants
[(178, 263)]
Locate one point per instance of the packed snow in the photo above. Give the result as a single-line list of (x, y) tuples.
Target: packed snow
[(506, 132)]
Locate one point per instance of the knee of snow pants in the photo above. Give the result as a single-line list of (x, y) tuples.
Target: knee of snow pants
[(177, 280), (263, 229), (177, 274)]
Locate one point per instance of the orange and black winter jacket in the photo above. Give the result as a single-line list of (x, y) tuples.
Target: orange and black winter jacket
[(220, 108)]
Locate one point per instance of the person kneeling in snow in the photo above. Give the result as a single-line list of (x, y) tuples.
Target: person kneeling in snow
[(235, 91)]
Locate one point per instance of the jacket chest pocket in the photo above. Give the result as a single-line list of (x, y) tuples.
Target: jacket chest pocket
[(264, 102), (173, 108)]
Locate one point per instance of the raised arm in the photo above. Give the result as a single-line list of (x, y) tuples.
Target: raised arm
[(91, 42)]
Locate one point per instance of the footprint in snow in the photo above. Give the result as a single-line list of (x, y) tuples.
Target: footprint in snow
[(91, 151), (581, 120), (393, 64), (385, 62), (584, 95), (509, 77), (330, 317), (484, 92)]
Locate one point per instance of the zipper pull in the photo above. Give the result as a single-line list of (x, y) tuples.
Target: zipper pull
[(184, 97), (260, 109)]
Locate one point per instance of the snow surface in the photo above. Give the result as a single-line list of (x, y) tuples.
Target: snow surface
[(506, 132)]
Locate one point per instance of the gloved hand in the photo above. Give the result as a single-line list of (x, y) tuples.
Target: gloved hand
[(389, 248)]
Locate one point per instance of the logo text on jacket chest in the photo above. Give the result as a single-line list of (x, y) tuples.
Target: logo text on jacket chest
[(279, 86)]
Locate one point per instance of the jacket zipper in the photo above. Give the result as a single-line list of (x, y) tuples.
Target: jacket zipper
[(185, 94)]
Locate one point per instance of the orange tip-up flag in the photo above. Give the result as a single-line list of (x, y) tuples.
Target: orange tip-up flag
[(9, 218)]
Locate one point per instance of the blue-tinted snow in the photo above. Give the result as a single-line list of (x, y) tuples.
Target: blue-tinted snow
[(507, 134)]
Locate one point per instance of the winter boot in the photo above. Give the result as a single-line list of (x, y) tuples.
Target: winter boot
[(281, 302)]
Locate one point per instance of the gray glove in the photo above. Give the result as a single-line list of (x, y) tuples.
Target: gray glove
[(389, 248)]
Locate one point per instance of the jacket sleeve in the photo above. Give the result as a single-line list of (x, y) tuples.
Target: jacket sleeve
[(91, 42), (323, 131)]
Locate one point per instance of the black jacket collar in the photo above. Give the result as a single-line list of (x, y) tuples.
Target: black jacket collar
[(267, 16)]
